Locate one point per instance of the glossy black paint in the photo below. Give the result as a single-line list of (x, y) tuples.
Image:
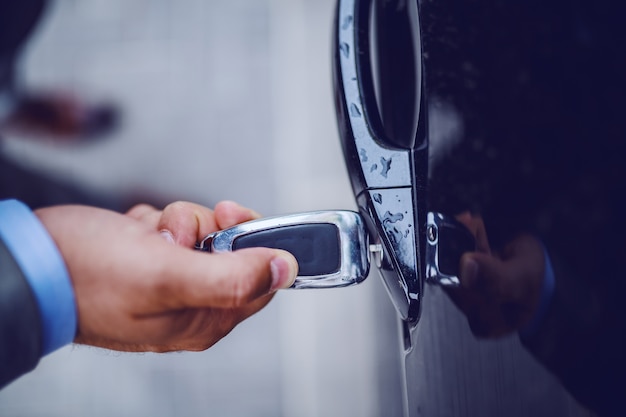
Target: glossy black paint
[(536, 92)]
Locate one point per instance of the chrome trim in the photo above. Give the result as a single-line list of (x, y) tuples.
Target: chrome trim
[(387, 167)]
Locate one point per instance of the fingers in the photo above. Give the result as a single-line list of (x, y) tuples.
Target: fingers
[(229, 214), (145, 213), (480, 295), (499, 295), (482, 272), (481, 275), (469, 296), (187, 223), (476, 226), (225, 280)]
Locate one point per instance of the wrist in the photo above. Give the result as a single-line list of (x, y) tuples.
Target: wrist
[(41, 263)]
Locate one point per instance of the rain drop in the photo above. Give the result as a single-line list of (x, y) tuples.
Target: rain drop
[(346, 22), (345, 49), (386, 166), (393, 218)]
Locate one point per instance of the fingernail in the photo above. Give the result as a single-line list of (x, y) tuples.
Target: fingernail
[(469, 272), (284, 271), (167, 235)]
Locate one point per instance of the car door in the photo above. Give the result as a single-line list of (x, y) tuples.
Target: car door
[(406, 97)]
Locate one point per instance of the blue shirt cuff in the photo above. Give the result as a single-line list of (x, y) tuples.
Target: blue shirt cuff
[(41, 262), (547, 291)]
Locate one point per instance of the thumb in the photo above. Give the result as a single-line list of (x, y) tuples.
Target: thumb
[(229, 280)]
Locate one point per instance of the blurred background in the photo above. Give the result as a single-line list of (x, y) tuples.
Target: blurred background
[(232, 99)]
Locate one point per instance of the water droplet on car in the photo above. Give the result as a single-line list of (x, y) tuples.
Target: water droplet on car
[(354, 110), (346, 22), (378, 198), (392, 218), (386, 166), (363, 155), (345, 49)]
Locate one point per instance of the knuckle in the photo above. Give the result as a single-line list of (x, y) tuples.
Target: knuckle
[(140, 210), (176, 207)]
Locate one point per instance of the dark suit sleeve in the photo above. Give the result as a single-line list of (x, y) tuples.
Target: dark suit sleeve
[(20, 323)]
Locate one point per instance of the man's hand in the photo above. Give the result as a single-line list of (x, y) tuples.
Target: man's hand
[(499, 292), (140, 286)]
